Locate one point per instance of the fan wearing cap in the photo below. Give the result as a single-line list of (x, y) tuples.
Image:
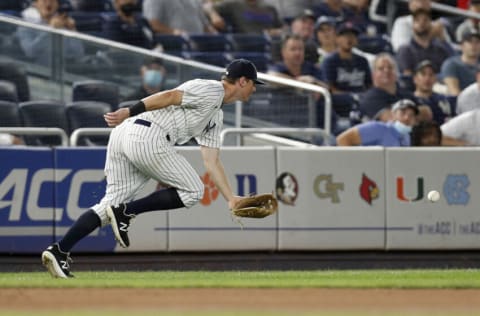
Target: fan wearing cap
[(391, 134), (459, 71), (141, 147), (304, 25), (438, 106)]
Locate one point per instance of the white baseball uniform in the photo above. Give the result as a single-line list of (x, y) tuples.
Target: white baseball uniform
[(142, 147)]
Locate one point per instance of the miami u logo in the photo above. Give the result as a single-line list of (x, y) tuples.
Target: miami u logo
[(401, 192)]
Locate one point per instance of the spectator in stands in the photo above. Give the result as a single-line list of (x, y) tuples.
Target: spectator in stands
[(37, 44), (402, 31), (469, 23), (250, 16), (127, 26), (153, 77), (387, 134), (469, 98), (326, 37), (463, 129), (422, 46), (293, 64), (9, 139), (177, 17), (424, 79), (385, 90), (426, 134), (359, 16), (344, 71), (288, 9), (304, 26), (459, 71)]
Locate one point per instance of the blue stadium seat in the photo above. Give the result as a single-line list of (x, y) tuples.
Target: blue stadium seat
[(88, 114), (374, 44), (10, 116), (210, 43), (43, 114), (16, 74), (88, 22), (96, 90), (261, 60), (173, 44), (220, 59), (8, 91), (243, 42)]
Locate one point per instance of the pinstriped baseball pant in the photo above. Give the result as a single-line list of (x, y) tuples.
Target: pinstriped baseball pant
[(137, 153)]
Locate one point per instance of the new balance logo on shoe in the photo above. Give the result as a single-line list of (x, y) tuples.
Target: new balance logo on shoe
[(57, 262), (120, 223)]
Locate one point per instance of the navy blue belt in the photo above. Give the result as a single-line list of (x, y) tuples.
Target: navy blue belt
[(147, 124), (142, 122)]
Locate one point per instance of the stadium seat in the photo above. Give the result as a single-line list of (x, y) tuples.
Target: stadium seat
[(260, 60), (96, 90), (10, 116), (88, 22), (43, 114), (243, 42), (8, 91), (374, 44), (93, 5), (88, 114), (16, 74), (210, 43), (220, 59), (173, 44)]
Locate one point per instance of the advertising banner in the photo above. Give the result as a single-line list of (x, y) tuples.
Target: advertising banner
[(331, 198)]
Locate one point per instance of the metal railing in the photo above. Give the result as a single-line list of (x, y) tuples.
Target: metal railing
[(37, 131), (311, 88), (274, 130), (88, 131)]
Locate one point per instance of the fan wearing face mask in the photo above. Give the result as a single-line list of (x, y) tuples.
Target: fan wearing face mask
[(395, 133), (127, 25), (153, 76)]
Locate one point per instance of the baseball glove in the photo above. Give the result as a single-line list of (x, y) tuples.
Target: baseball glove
[(256, 206)]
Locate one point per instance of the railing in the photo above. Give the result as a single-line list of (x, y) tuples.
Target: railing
[(274, 130), (60, 34), (37, 131), (88, 131)]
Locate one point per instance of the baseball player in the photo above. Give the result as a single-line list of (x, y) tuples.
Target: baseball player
[(141, 147)]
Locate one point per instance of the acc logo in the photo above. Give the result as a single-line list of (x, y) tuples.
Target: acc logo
[(455, 189), (211, 192), (368, 189), (286, 187), (325, 188)]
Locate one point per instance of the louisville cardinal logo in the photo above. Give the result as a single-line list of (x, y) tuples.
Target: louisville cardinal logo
[(368, 189)]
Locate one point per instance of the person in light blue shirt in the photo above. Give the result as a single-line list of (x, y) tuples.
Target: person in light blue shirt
[(395, 133)]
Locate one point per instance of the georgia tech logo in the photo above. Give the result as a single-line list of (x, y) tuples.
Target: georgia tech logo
[(368, 189), (287, 188), (325, 188)]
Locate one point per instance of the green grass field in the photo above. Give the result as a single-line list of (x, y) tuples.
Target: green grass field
[(418, 279)]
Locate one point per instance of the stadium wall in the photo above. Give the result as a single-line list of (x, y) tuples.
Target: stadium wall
[(330, 199)]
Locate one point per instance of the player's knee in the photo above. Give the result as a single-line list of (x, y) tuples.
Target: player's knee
[(193, 196)]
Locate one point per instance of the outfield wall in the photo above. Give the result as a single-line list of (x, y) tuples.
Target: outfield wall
[(330, 199)]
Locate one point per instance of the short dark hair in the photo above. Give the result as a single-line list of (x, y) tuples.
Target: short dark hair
[(288, 36), (422, 129)]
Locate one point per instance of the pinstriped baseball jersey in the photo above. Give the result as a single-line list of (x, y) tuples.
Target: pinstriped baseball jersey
[(142, 147)]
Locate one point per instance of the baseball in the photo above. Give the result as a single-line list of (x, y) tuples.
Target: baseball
[(433, 196)]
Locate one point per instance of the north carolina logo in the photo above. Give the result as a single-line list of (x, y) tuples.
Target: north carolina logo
[(368, 189)]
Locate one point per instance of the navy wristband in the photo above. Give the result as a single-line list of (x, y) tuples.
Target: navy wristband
[(137, 108)]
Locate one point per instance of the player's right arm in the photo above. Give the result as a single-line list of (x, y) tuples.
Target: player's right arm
[(154, 102)]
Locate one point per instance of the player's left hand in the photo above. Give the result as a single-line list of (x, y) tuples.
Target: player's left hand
[(115, 118)]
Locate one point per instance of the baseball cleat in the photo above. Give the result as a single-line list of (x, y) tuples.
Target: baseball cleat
[(57, 262), (120, 223)]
